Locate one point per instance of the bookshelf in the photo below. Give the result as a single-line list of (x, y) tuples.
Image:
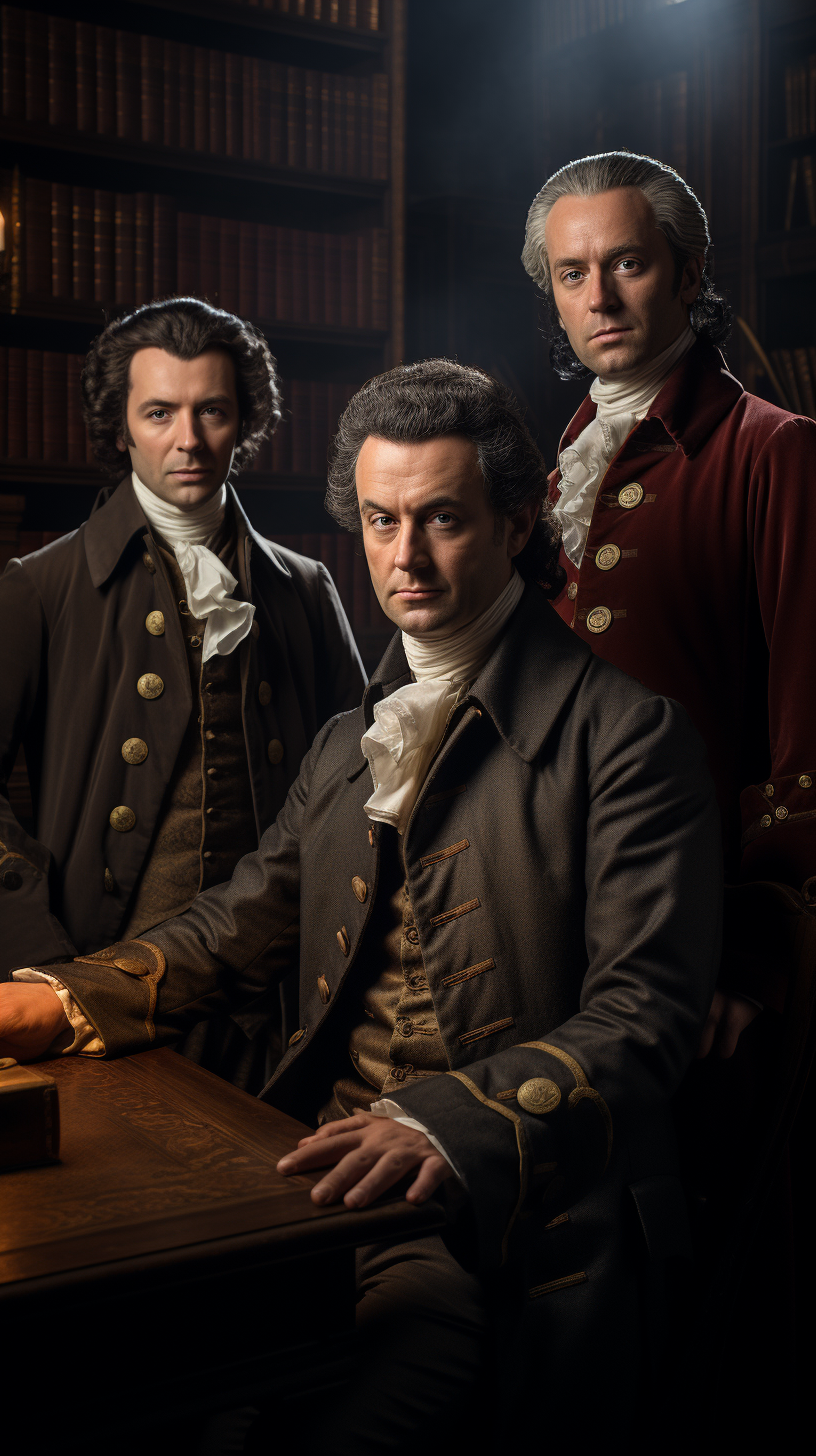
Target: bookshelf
[(248, 153), (725, 91)]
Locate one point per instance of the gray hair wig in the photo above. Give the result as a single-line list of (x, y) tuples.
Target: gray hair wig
[(677, 212)]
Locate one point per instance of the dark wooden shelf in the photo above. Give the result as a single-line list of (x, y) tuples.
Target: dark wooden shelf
[(25, 473)]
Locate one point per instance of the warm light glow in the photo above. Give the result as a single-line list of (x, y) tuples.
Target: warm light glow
[(2, 233)]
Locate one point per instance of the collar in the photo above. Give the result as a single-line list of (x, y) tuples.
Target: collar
[(116, 518), (523, 686), (698, 394)]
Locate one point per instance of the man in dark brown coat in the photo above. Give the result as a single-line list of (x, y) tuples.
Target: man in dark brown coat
[(500, 878), (164, 666)]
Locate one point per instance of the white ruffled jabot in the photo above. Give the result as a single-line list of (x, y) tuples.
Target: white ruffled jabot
[(622, 401), (409, 724), (208, 582)]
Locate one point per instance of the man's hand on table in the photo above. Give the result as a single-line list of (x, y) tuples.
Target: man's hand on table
[(31, 1017), (367, 1155), (725, 1023)]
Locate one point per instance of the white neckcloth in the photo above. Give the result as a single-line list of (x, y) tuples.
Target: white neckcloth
[(621, 401), (409, 724), (208, 583)]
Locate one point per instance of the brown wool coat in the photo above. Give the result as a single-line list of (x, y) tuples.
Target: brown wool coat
[(563, 866), (709, 603), (73, 645)]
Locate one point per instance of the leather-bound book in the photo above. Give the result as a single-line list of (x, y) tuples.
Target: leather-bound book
[(188, 264), (364, 280), (233, 106), (248, 302), (105, 81), (29, 1118), (301, 450), (247, 110), (12, 33), (124, 260), (311, 120), (379, 127), (62, 94), (348, 280), (187, 101), (319, 432), (380, 241), (331, 278), (17, 418), (228, 288), (261, 112), (152, 90), (36, 67), (315, 279), (143, 247), (338, 107), (34, 404), (364, 125), (164, 246), (104, 247), (218, 103), (284, 300), (75, 448), (201, 99), (86, 76), (82, 253), (326, 95), (55, 406), (170, 94), (36, 240), (210, 266), (352, 129), (300, 288), (276, 122), (128, 87), (62, 228)]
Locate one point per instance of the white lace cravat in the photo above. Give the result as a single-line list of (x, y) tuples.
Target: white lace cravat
[(621, 401), (409, 724), (208, 583)]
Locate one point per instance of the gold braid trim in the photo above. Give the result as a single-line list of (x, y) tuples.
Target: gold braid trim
[(581, 1090), (521, 1143)]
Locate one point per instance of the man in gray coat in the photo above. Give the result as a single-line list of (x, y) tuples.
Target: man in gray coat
[(500, 879), (165, 667)]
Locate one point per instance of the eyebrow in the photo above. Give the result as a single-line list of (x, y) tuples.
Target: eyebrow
[(433, 505), (173, 403), (612, 253)]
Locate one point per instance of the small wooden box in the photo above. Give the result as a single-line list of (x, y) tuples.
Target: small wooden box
[(29, 1118)]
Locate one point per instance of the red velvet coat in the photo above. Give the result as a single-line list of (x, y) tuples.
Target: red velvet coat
[(713, 598)]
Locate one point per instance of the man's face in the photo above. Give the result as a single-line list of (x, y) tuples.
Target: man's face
[(437, 554), (182, 420), (613, 280)]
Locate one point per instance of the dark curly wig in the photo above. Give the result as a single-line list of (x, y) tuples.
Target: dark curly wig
[(439, 397), (677, 213), (185, 328)]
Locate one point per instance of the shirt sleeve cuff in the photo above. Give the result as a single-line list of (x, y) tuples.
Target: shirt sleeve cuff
[(86, 1040), (386, 1107)]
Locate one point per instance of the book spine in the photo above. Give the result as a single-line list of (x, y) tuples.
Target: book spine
[(201, 99), (300, 280), (105, 81), (17, 416), (36, 68), (301, 453), (790, 201), (228, 293), (210, 259), (379, 128), (348, 280), (318, 433), (379, 278), (248, 111), (86, 119), (284, 291), (331, 278), (311, 120), (295, 117), (62, 96), (104, 247), (218, 103), (263, 275), (12, 24), (37, 237), (325, 123), (364, 108), (124, 260), (83, 244), (152, 90), (248, 300), (128, 87), (170, 93), (55, 406), (75, 428), (62, 274), (34, 404), (277, 118), (234, 106), (262, 112), (187, 98), (364, 280), (164, 246), (315, 279), (188, 256), (143, 250)]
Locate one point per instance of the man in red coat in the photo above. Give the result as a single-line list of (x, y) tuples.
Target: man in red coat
[(688, 510)]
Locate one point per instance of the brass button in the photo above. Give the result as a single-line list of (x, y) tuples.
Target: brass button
[(539, 1095), (766, 821), (415, 982), (264, 694), (209, 735), (406, 1028), (599, 619), (147, 560), (343, 941), (781, 812), (12, 880), (296, 1035), (371, 837), (274, 751), (212, 773), (150, 685), (607, 557), (572, 590), (630, 496), (196, 641), (412, 935), (360, 888), (769, 790), (208, 687), (184, 609), (207, 854), (134, 750), (324, 988), (805, 781), (110, 883), (122, 819), (154, 622)]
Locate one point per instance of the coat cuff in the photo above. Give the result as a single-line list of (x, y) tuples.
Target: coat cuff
[(115, 990)]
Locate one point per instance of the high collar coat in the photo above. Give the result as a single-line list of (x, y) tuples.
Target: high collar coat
[(73, 646)]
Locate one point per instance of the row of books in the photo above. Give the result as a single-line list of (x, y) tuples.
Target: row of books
[(796, 369), (342, 555), (78, 76), (800, 202), (568, 20), (800, 98), (41, 415), (126, 248), (360, 14)]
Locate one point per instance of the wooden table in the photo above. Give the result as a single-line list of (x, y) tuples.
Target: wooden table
[(163, 1268)]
